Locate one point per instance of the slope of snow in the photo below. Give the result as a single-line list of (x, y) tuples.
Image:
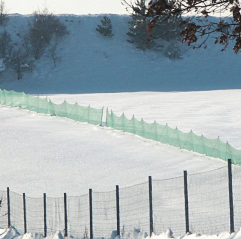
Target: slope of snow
[(93, 64)]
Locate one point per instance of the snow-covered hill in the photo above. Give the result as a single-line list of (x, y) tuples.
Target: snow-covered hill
[(91, 63)]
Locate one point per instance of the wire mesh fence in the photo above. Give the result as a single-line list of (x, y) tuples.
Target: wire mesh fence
[(208, 195), (78, 216), (35, 215), (134, 209), (206, 203), (169, 205), (104, 213)]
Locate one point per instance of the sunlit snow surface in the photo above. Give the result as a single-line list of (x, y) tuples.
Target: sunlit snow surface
[(41, 153), (12, 233)]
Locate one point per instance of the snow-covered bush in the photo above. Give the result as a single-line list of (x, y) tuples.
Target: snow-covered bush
[(105, 29)]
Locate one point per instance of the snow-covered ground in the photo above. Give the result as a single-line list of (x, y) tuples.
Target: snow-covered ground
[(12, 233), (41, 153)]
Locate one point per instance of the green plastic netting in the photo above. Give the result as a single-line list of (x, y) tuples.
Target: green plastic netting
[(45, 106), (164, 134)]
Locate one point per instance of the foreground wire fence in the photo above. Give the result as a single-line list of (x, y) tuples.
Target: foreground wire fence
[(206, 203)]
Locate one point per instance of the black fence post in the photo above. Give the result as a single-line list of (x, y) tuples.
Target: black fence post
[(186, 202), (230, 186), (9, 212), (91, 214), (65, 216), (24, 213), (150, 205), (45, 215), (118, 210)]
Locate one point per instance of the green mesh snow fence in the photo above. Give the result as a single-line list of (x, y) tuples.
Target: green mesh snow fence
[(164, 134), (45, 106)]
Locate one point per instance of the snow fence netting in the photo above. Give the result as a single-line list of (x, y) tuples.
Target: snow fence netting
[(46, 106), (164, 134)]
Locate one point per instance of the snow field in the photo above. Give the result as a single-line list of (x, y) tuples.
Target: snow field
[(39, 153), (77, 156)]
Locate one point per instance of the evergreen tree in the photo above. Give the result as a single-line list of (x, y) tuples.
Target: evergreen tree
[(138, 27), (162, 37), (105, 29)]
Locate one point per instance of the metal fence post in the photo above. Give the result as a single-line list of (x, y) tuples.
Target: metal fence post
[(91, 214), (230, 186), (45, 215), (24, 213), (118, 210), (65, 216), (9, 212), (150, 205), (186, 201)]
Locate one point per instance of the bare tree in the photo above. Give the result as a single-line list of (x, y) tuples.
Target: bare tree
[(20, 62), (53, 53), (3, 14), (5, 44), (44, 27), (199, 24)]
